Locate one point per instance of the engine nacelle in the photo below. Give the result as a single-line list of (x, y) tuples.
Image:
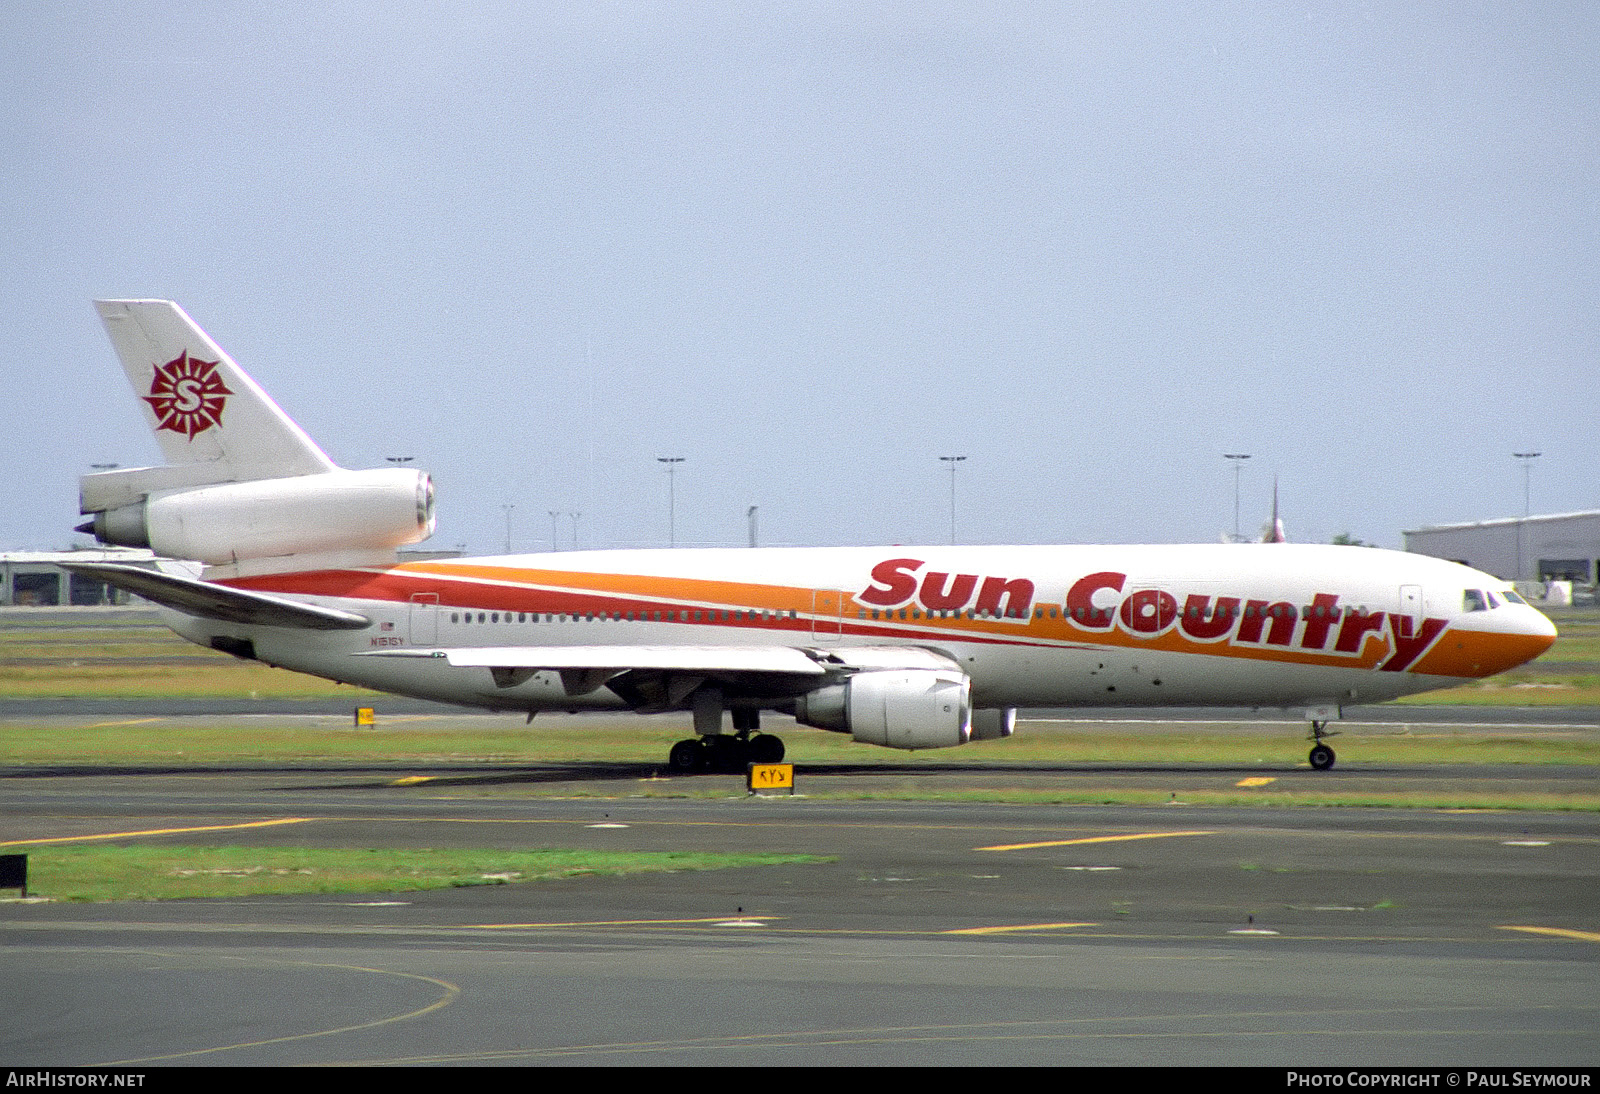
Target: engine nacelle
[(267, 518), (896, 708)]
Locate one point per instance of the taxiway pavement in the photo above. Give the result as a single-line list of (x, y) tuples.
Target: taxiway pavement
[(960, 933)]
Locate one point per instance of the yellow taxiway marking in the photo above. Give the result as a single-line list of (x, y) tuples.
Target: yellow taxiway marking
[(1256, 780), (157, 832), (413, 780), (623, 923), (449, 995), (1090, 839), (1019, 927), (129, 722), (1559, 932)]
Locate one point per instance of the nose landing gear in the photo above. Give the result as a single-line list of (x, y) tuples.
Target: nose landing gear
[(1322, 756)]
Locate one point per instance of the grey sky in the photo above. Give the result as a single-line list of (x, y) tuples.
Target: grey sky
[(812, 247)]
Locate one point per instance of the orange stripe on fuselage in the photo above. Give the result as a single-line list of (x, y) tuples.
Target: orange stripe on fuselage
[(1463, 654), (731, 593)]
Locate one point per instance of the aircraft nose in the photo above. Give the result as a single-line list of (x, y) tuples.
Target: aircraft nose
[(1540, 626), (1517, 639), (1534, 635)]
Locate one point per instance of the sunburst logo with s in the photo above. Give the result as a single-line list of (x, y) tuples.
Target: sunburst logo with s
[(187, 395)]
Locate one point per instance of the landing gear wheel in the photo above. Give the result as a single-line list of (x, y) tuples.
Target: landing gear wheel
[(766, 749), (724, 753), (1321, 757), (687, 758)]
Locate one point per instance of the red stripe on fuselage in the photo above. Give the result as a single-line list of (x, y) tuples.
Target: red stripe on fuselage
[(398, 587)]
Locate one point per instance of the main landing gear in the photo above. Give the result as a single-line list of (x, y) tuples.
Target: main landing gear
[(726, 752), (1322, 756)]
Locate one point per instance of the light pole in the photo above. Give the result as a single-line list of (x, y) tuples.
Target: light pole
[(672, 463), (750, 514), (508, 509), (574, 517), (555, 514), (952, 461), (1238, 459), (1527, 459)]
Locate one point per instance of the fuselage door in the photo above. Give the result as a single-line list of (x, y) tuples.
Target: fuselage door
[(827, 614), (424, 619), (1412, 605)]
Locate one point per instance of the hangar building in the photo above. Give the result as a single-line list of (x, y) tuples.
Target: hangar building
[(33, 578), (1558, 547)]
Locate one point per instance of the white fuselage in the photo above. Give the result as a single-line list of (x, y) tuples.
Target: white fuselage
[(1280, 625)]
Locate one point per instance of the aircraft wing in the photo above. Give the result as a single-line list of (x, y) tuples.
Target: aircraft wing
[(785, 659), (658, 677), (793, 660), (212, 601)]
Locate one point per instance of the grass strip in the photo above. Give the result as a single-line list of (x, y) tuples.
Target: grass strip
[(425, 741), (120, 872)]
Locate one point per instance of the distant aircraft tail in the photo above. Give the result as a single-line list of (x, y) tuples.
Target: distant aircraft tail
[(1272, 531), (242, 480)]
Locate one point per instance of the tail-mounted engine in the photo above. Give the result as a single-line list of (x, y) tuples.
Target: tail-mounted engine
[(896, 708), (265, 518)]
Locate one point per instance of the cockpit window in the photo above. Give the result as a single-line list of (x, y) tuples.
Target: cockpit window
[(1494, 601), (1472, 601), (1512, 596)]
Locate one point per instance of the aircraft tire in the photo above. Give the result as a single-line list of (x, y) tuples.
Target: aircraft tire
[(1322, 758), (687, 757), (724, 753), (765, 748)]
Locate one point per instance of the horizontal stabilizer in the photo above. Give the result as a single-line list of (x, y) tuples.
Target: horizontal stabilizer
[(212, 601)]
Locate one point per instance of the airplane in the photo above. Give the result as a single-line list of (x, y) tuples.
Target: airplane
[(1272, 531), (270, 551)]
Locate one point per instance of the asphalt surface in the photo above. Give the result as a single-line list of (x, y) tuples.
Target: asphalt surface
[(939, 934)]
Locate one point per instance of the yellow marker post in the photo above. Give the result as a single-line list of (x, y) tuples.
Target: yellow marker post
[(769, 777), (365, 717)]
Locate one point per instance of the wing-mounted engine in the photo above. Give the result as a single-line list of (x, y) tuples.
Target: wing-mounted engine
[(895, 708), (268, 518)]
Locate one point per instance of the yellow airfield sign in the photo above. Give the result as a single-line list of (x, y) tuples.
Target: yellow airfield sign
[(770, 777)]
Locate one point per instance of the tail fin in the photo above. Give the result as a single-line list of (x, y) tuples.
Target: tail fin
[(1272, 531), (243, 484), (203, 408)]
